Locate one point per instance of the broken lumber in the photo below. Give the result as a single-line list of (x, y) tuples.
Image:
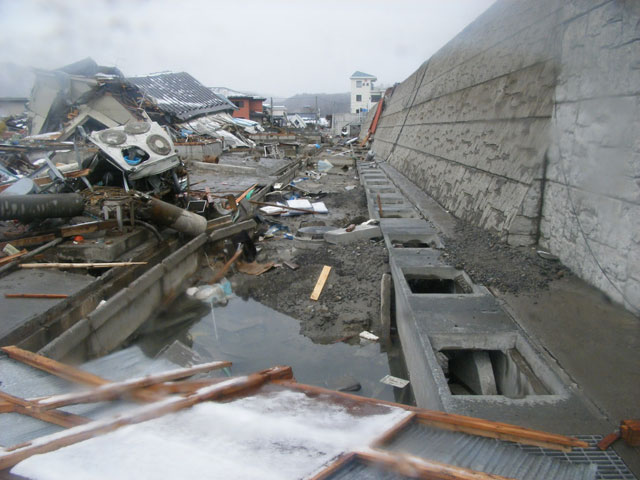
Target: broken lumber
[(245, 193), (225, 268), (35, 295), (223, 390), (114, 390), (460, 423), (322, 279), (80, 265), (57, 417), (67, 372), (9, 258)]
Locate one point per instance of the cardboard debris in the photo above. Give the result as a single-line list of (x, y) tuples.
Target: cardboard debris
[(255, 268)]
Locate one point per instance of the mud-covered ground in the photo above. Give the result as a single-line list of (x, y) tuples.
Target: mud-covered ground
[(493, 263), (350, 300)]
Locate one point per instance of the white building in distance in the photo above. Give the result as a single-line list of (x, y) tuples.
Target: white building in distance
[(363, 93)]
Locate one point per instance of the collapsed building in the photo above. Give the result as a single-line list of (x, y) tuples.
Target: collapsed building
[(165, 195)]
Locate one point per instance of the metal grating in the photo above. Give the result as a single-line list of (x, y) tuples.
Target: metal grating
[(610, 465), (486, 455)]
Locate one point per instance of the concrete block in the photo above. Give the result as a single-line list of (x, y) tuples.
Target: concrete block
[(361, 232), (474, 369)]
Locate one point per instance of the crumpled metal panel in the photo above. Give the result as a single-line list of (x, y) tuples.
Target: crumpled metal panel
[(180, 94), (485, 455), (23, 381)]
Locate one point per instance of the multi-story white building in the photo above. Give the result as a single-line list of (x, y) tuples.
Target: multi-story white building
[(363, 93)]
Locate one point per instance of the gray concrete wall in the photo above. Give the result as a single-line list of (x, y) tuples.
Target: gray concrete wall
[(524, 124), (471, 125), (591, 215)]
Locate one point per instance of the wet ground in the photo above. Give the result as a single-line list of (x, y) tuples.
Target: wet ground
[(255, 337)]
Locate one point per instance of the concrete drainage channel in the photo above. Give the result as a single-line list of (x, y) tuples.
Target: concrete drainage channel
[(463, 352)]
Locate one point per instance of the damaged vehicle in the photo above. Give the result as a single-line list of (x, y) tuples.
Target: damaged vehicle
[(137, 156)]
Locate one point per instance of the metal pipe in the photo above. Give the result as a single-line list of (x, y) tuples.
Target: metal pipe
[(163, 213), (38, 206)]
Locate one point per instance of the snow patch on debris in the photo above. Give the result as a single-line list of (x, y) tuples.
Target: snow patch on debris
[(268, 436)]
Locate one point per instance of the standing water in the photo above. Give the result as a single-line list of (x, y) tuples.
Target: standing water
[(255, 337)]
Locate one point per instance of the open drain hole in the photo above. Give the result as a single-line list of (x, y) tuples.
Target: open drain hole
[(432, 284), (490, 372)]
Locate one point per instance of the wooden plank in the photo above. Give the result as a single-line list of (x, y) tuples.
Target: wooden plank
[(380, 212), (26, 407), (81, 265), (608, 440), (416, 467), (118, 389), (219, 275), (225, 390), (393, 431), (9, 258), (322, 279), (335, 466), (27, 241), (471, 425), (246, 192), (67, 372), (87, 227), (35, 295), (630, 432)]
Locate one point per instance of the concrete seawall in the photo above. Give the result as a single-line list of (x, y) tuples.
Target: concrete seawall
[(526, 124)]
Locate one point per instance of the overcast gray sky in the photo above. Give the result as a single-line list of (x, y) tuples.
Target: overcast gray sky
[(274, 47)]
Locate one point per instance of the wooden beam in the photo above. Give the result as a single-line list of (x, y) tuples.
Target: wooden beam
[(35, 295), (393, 431), (118, 389), (27, 241), (219, 275), (26, 407), (335, 466), (246, 192), (461, 423), (88, 227), (9, 258), (502, 431), (80, 265), (67, 371), (322, 279), (225, 390), (415, 467)]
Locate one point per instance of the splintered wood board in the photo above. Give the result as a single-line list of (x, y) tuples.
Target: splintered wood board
[(322, 279)]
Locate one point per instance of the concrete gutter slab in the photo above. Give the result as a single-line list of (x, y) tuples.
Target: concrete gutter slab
[(361, 232), (17, 312)]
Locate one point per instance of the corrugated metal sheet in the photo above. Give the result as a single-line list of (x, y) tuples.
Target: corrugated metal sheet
[(485, 455), (26, 382), (180, 94), (361, 471)]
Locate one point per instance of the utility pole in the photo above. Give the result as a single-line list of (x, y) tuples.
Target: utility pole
[(317, 114), (272, 111)]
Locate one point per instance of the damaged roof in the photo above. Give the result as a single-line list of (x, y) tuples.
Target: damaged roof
[(180, 94)]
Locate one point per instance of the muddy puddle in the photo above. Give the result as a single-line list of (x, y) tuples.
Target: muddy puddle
[(255, 337)]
